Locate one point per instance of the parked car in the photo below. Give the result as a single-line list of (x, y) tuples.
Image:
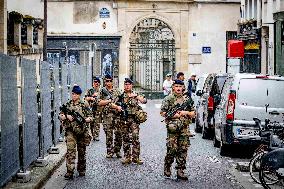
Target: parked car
[(196, 98), (245, 96), (208, 102), (199, 88)]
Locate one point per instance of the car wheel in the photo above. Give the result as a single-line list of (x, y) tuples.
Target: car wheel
[(224, 149), (216, 143), (204, 133), (198, 128)]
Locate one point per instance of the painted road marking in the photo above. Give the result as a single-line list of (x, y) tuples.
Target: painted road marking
[(246, 175), (257, 186), (214, 159), (158, 106)]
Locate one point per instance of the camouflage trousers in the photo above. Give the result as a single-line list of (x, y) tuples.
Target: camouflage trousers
[(130, 135), (111, 125), (177, 144), (95, 126), (74, 141)]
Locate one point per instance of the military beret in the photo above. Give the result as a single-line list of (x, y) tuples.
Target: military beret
[(128, 80), (76, 89), (179, 74), (97, 79), (108, 76), (179, 82)]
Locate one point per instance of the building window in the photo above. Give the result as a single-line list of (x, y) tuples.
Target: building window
[(35, 35), (10, 32), (24, 36)]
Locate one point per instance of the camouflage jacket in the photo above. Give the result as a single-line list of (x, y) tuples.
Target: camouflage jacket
[(93, 104), (115, 93), (171, 101), (132, 103), (82, 108)]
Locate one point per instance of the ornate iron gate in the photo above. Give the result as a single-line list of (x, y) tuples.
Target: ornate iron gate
[(152, 55)]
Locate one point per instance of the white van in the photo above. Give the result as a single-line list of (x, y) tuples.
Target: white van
[(244, 97), (199, 88)]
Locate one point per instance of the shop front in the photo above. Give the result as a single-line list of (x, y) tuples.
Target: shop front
[(250, 35)]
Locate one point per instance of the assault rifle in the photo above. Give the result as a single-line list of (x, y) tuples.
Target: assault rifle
[(119, 101), (179, 107), (77, 116), (124, 113), (94, 105), (107, 93)]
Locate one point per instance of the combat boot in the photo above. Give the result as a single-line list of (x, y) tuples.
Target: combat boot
[(109, 155), (82, 174), (138, 161), (126, 161), (118, 155), (68, 176), (167, 171), (181, 175)]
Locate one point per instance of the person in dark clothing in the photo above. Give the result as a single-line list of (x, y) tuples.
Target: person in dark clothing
[(191, 85)]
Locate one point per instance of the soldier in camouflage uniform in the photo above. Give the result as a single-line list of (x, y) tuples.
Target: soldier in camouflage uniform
[(130, 128), (107, 100), (177, 130), (91, 97), (76, 134)]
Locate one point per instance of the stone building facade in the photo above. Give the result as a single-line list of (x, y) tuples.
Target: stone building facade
[(153, 37), (266, 16), (21, 27)]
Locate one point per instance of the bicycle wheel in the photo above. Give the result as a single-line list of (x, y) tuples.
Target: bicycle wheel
[(270, 178), (254, 166)]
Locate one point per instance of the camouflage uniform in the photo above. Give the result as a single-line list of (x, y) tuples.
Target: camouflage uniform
[(97, 114), (130, 130), (77, 135), (177, 134), (111, 120)]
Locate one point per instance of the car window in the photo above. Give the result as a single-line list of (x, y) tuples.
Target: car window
[(221, 81), (200, 83), (267, 92), (208, 83), (226, 90), (276, 94), (217, 85)]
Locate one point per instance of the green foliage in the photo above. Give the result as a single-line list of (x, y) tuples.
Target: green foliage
[(16, 17)]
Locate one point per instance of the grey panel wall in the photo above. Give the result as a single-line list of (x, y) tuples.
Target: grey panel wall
[(89, 80), (57, 101), (82, 76), (46, 106), (65, 92), (9, 130), (73, 78), (30, 111)]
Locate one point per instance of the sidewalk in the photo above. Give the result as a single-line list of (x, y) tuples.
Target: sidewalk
[(39, 175)]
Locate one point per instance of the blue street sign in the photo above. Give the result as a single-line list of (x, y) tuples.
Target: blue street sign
[(206, 50), (104, 13)]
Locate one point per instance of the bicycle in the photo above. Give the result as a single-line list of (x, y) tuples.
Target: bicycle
[(272, 163), (268, 135)]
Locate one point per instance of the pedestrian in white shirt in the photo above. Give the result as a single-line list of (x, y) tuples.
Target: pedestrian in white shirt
[(167, 85)]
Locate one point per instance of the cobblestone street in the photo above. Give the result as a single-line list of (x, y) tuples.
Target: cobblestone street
[(206, 169)]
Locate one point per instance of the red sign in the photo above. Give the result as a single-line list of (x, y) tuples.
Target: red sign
[(236, 49)]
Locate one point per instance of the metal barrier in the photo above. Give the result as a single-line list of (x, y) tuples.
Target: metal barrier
[(29, 125), (9, 130)]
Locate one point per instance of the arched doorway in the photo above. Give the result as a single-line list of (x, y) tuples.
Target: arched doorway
[(152, 55)]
